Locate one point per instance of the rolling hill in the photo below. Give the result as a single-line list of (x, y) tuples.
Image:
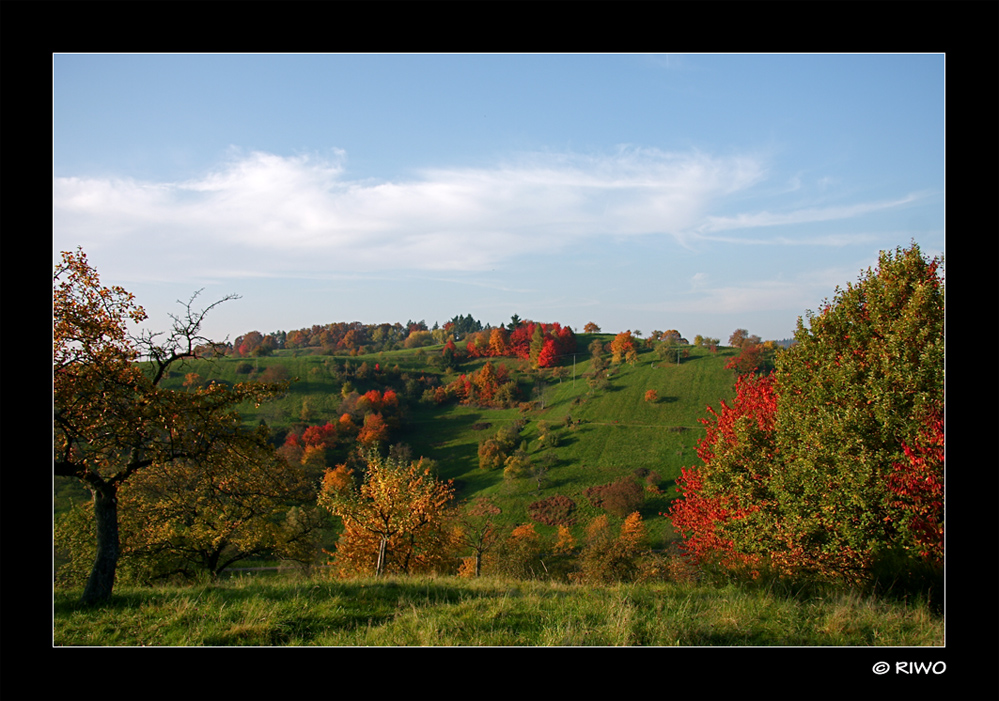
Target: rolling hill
[(601, 433)]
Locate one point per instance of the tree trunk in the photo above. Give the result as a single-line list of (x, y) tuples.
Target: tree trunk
[(380, 567), (101, 579)]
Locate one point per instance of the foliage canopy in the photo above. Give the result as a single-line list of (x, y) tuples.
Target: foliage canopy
[(836, 462), (394, 520), (113, 419)]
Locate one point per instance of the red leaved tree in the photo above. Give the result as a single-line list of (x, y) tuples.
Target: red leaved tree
[(748, 360), (374, 430), (549, 354), (725, 500), (917, 485)]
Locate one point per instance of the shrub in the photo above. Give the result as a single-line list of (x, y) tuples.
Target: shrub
[(619, 498), (518, 556), (607, 557), (275, 373), (554, 511), (517, 465), (491, 454)]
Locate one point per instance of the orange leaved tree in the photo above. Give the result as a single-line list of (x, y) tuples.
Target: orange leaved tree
[(112, 418), (395, 518), (623, 348)]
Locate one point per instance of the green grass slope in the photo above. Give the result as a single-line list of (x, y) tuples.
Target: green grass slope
[(613, 432)]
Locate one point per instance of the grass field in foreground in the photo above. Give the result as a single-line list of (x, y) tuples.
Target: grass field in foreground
[(425, 611)]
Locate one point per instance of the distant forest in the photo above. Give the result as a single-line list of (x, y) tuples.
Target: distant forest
[(355, 338)]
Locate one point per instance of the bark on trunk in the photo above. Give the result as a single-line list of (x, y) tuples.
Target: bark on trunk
[(380, 567), (101, 579)]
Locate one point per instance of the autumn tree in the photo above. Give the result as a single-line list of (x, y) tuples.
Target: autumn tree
[(477, 344), (834, 463), (537, 345), (112, 417), (491, 454), (374, 431), (591, 328), (749, 359), (517, 465), (862, 381), (478, 531), (726, 513), (394, 520), (549, 354), (623, 348), (609, 557), (741, 337), (494, 451), (486, 382), (520, 555), (188, 517), (418, 339), (499, 341), (450, 358)]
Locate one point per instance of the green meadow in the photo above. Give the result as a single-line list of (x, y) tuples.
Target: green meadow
[(291, 610), (603, 433)]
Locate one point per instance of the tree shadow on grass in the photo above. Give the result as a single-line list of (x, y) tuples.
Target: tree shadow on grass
[(550, 483), (566, 439), (431, 439)]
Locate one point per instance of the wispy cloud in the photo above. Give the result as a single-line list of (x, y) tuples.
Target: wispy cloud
[(794, 293), (800, 216), (265, 214)]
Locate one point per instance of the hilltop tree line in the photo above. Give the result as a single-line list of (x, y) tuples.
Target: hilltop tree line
[(356, 338)]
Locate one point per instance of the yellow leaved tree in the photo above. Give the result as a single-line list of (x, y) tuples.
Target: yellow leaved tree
[(395, 519)]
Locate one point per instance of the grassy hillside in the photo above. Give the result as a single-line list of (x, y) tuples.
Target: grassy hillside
[(613, 430)]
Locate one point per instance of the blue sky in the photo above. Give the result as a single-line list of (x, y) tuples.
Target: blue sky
[(696, 192)]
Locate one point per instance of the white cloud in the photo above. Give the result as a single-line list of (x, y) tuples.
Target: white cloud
[(746, 298), (791, 296), (266, 214), (800, 216)]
